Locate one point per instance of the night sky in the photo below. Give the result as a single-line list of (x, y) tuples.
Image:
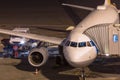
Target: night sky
[(40, 3), (26, 4), (40, 12)]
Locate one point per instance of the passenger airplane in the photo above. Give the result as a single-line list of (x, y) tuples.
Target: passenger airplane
[(79, 49)]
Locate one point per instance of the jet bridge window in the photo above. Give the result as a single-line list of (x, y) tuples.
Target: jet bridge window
[(73, 44), (82, 44), (115, 38)]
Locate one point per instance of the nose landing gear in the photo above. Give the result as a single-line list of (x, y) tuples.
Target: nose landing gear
[(82, 76)]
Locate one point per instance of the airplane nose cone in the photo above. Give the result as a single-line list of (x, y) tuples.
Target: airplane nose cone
[(77, 57)]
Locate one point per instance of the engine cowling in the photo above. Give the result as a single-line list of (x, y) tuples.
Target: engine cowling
[(38, 56)]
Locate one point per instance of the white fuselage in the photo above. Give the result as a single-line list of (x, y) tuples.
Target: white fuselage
[(99, 16), (81, 56)]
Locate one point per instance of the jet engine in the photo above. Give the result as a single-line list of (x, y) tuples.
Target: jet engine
[(38, 56)]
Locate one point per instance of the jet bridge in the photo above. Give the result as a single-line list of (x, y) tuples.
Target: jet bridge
[(106, 37)]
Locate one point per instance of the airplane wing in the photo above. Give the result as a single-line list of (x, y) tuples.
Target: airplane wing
[(53, 40), (80, 7)]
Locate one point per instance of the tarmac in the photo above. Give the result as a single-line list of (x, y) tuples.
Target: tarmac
[(16, 69)]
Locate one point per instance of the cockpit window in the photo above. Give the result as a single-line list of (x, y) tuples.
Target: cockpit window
[(92, 43), (82, 44), (67, 43), (73, 44), (88, 44)]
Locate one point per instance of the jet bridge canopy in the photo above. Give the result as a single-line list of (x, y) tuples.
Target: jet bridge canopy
[(106, 37)]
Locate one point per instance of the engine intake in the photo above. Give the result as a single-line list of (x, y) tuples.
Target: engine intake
[(38, 57)]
